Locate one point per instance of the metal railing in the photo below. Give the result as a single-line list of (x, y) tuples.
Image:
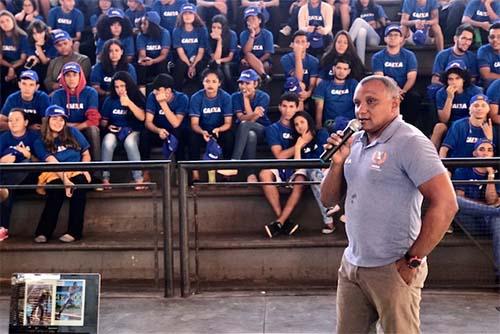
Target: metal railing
[(186, 166), (164, 166)]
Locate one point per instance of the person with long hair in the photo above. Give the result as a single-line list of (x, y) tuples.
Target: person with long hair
[(123, 117), (211, 116), (28, 14), (190, 40), (41, 49), (115, 25), (341, 46), (13, 43), (452, 100), (368, 26), (102, 8), (61, 143), (136, 9), (112, 60), (152, 46), (251, 107), (257, 44), (223, 43), (309, 145), (16, 146)]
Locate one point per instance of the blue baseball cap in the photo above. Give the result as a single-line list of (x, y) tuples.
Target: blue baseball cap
[(153, 17), (315, 40), (71, 67), (251, 11), (248, 76), (419, 37), (457, 63), (292, 85), (483, 141), (60, 35), (170, 146), (188, 7), (213, 151), (115, 12), (30, 75), (55, 110), (479, 97), (391, 28)]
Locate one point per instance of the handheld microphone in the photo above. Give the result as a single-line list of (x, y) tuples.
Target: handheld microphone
[(353, 126)]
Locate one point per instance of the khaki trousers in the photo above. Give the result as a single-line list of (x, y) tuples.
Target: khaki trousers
[(365, 295)]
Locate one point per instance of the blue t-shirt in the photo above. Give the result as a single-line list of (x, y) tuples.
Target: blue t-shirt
[(116, 114), (263, 42), (395, 66), (314, 17), (493, 92), (233, 44), (76, 107), (127, 43), (417, 12), (446, 56), (314, 149), (190, 41), (34, 109), (48, 48), (460, 103), (487, 57), (98, 77), (179, 106), (135, 15), (337, 98), (472, 191), (261, 99), (279, 134), (12, 52), (168, 13), (309, 63), (71, 22), (8, 142), (368, 14), (461, 138), (153, 47), (211, 112), (64, 153), (476, 11)]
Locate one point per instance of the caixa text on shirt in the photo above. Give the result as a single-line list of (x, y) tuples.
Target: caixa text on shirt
[(119, 112), (394, 64), (170, 13), (62, 20), (339, 91), (74, 106), (211, 110), (153, 47), (193, 40), (421, 15)]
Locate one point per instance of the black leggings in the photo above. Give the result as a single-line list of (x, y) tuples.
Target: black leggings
[(146, 74), (180, 72), (53, 203)]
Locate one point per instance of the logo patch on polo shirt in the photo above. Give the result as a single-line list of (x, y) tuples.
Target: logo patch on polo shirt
[(378, 159)]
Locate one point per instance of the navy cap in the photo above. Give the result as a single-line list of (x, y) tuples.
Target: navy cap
[(29, 74), (251, 11), (483, 141), (170, 146), (60, 35), (391, 28), (71, 67), (153, 17), (248, 75), (55, 110), (213, 151), (115, 12), (188, 8), (292, 85), (315, 40), (479, 97), (457, 63), (419, 37)]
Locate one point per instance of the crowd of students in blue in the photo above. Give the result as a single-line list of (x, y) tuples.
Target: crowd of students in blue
[(82, 113)]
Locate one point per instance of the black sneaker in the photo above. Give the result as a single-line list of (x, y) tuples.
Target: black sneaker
[(289, 227), (273, 229)]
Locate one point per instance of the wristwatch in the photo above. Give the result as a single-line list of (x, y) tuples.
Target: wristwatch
[(412, 261)]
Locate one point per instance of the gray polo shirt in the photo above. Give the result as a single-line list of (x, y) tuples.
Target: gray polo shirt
[(383, 203)]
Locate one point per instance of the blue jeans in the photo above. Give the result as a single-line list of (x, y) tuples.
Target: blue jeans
[(481, 220), (131, 145), (318, 175)]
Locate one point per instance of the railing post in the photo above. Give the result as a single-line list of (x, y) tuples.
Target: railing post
[(184, 231), (168, 252)]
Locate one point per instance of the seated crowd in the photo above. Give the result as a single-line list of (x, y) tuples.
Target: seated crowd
[(72, 94)]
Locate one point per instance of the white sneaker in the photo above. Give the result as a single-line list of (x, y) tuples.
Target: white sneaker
[(328, 228), (41, 239), (286, 30), (66, 238)]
